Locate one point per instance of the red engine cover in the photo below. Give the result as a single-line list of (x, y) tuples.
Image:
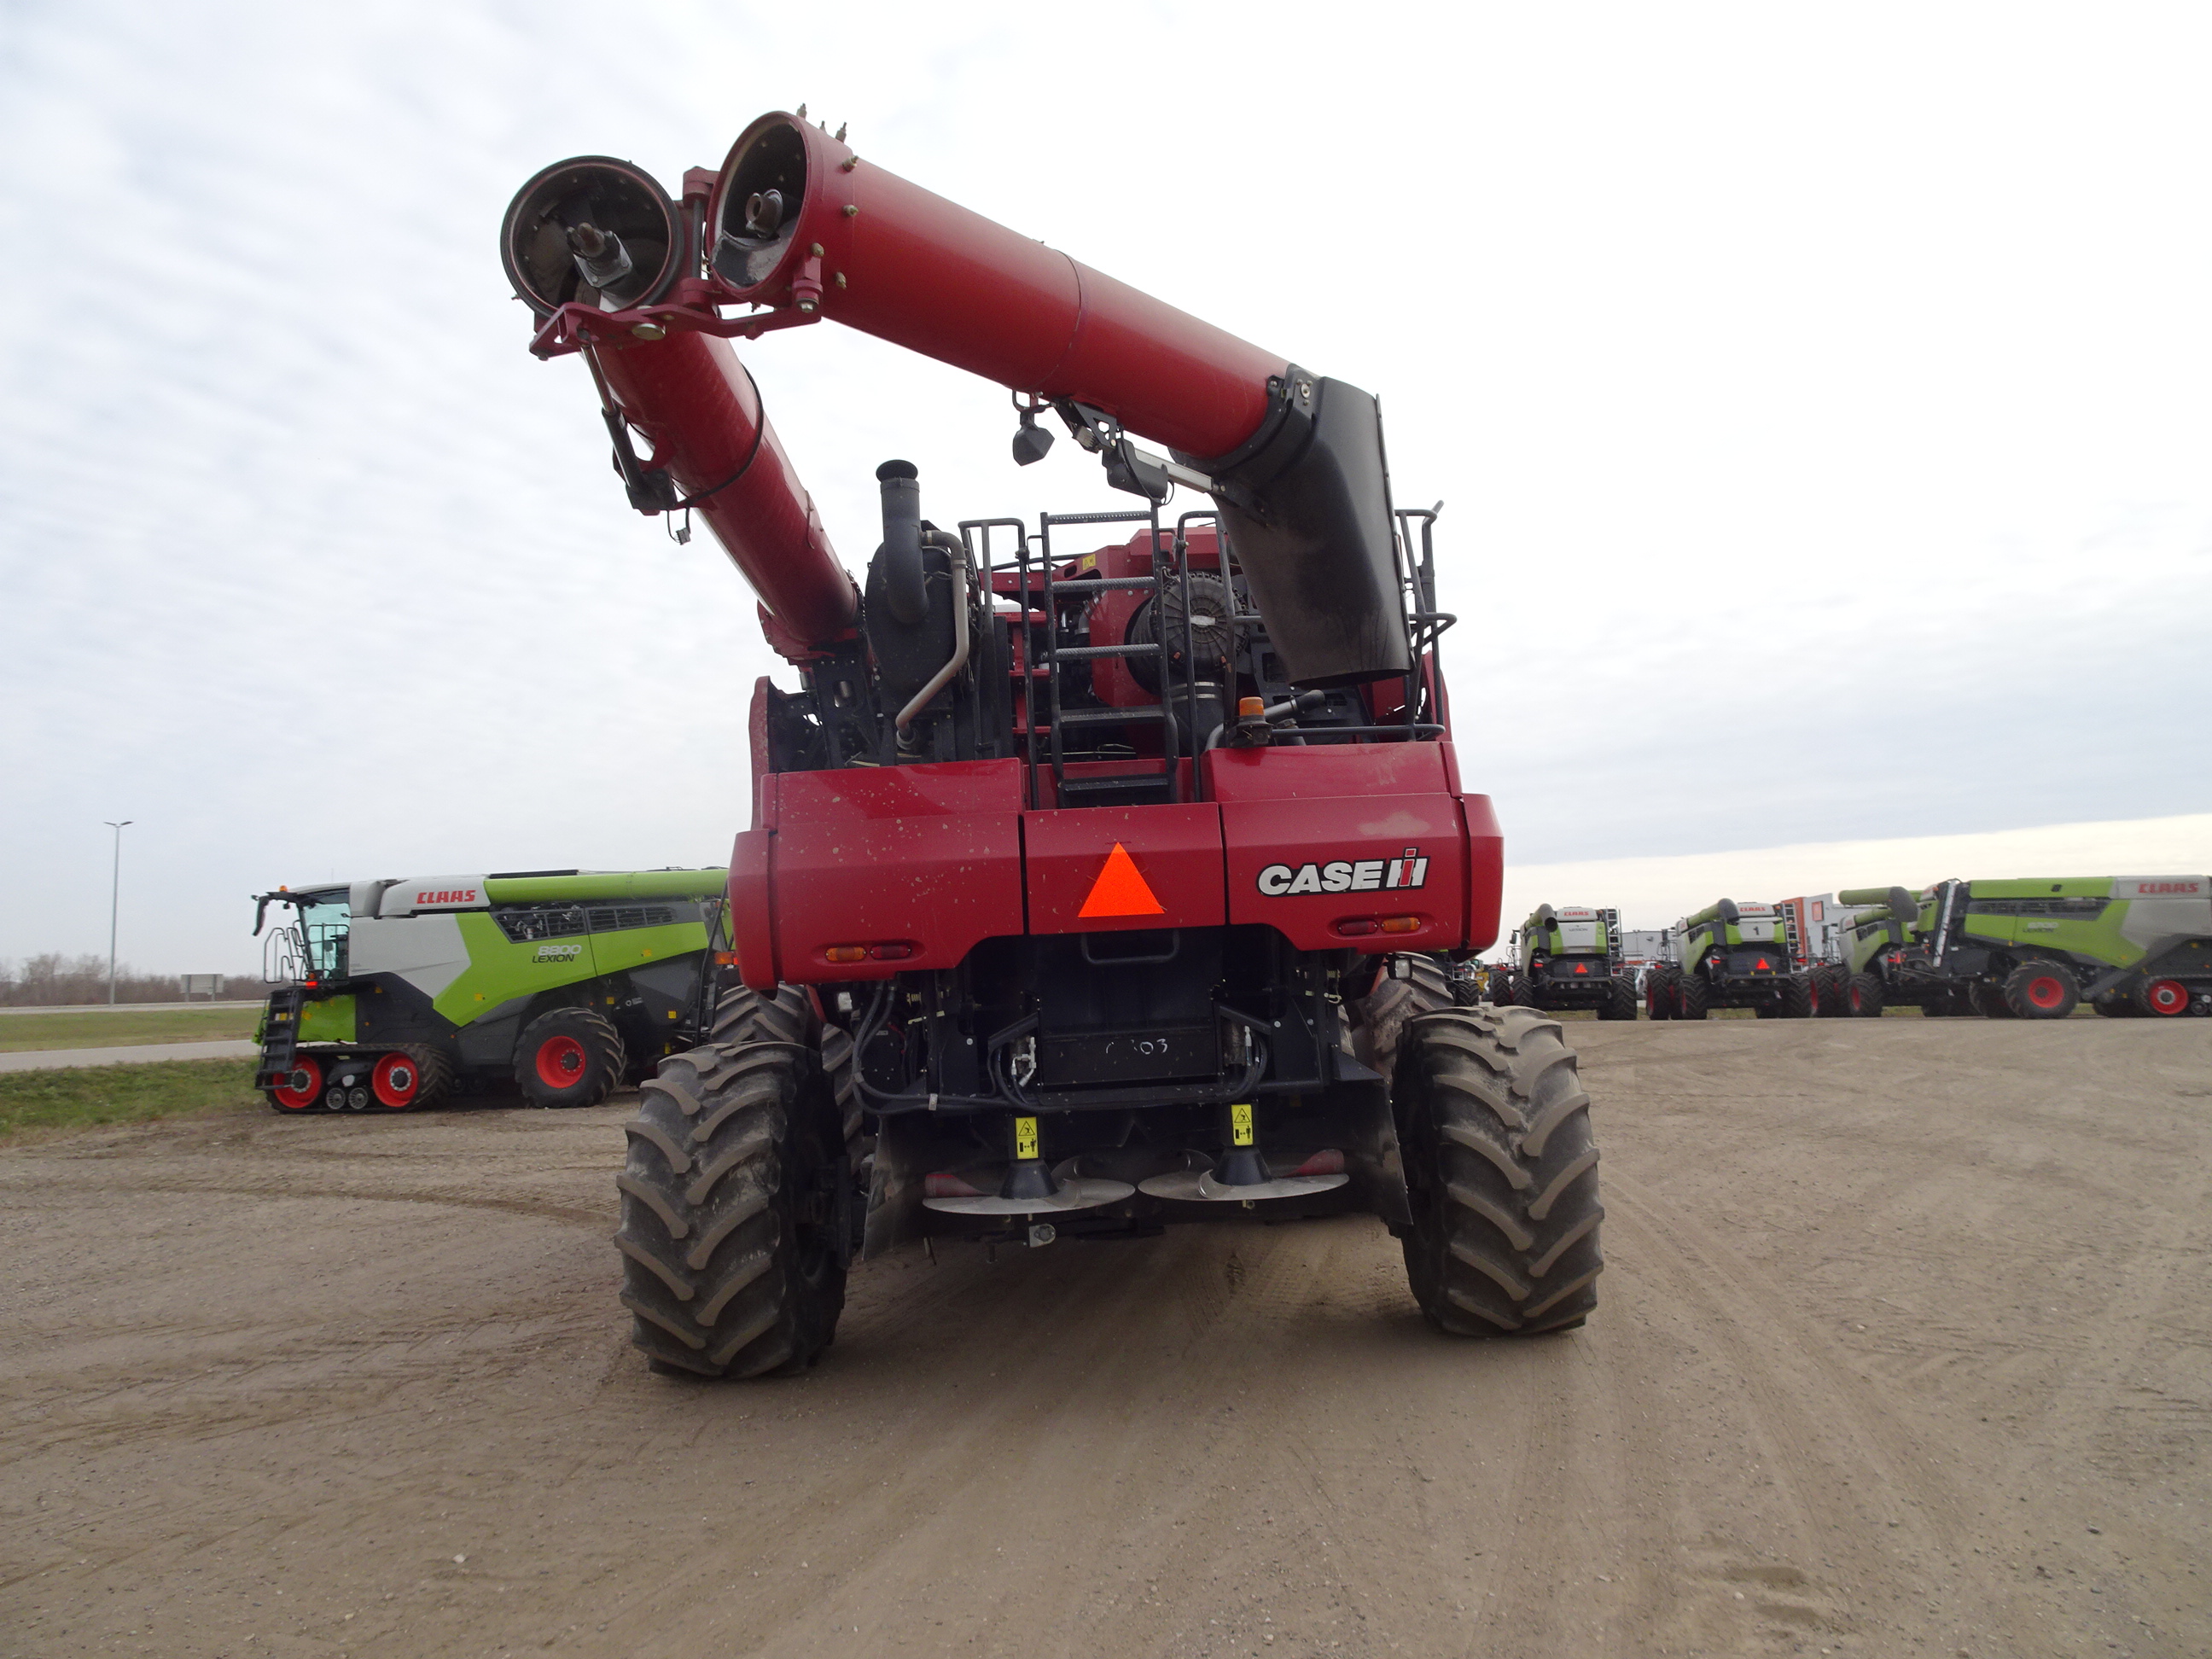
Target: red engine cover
[(1326, 844), (925, 860), (1169, 855)]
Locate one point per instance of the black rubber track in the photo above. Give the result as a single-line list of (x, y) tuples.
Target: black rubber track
[(437, 1072), (732, 1259), (1503, 1172), (608, 1061)]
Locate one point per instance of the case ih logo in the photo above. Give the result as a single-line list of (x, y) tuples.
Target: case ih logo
[(447, 896), (2165, 889), (1409, 869)]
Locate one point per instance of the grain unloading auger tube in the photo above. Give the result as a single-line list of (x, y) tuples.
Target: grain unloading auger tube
[(1089, 888), (797, 224)]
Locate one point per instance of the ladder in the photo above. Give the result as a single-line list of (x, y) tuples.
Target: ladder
[(280, 1035), (1154, 784)]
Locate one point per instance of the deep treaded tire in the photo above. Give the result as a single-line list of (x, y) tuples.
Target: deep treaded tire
[(1989, 1001), (1502, 1171), (736, 1200), (1659, 993), (1620, 1001), (569, 1057), (1690, 998), (2042, 990), (1796, 1002), (1381, 1018), (1863, 992), (1832, 991)]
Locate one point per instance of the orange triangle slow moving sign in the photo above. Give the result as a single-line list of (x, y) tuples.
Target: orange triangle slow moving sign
[(1121, 889)]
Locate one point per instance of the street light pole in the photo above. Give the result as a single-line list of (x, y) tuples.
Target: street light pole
[(114, 903)]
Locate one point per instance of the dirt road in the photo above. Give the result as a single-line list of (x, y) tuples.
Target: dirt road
[(1905, 1347)]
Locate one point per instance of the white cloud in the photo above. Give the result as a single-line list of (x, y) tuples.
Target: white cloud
[(1817, 398)]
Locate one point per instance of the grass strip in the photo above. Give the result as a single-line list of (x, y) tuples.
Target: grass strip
[(20, 1033), (89, 1096)]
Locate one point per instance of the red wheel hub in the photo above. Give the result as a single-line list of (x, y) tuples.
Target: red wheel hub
[(2046, 992), (560, 1062), (301, 1087), (2166, 996), (396, 1082)]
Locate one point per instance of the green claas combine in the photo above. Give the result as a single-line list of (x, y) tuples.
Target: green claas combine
[(390, 994), (2036, 948), (1569, 957), (1729, 955)]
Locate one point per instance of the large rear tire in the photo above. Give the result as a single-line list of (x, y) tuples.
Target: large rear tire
[(1690, 998), (2042, 990), (1502, 1170), (1832, 991), (1619, 999), (1864, 992), (1659, 993), (1989, 1001), (737, 1208), (569, 1057), (1797, 997)]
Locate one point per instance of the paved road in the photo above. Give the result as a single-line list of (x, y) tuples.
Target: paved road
[(1905, 1349), (135, 1054)]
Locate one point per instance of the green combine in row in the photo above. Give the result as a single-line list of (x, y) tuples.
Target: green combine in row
[(2035, 948), (1729, 955), (1567, 957), (391, 995)]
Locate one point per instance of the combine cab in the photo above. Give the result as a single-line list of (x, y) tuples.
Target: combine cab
[(1100, 865)]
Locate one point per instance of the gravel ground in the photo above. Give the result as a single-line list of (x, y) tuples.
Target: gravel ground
[(1905, 1347)]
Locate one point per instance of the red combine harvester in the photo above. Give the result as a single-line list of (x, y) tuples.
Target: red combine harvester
[(1090, 887)]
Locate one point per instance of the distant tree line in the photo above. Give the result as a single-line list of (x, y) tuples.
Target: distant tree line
[(56, 980)]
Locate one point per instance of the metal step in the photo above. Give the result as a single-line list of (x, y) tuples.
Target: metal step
[(280, 1035), (1121, 789)]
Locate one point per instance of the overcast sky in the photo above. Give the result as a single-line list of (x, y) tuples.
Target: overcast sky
[(1821, 401)]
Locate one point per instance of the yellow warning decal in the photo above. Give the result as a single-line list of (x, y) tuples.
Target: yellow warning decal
[(1240, 1124), (1025, 1137)]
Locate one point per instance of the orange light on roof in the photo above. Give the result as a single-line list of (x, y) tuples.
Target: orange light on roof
[(1251, 708)]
